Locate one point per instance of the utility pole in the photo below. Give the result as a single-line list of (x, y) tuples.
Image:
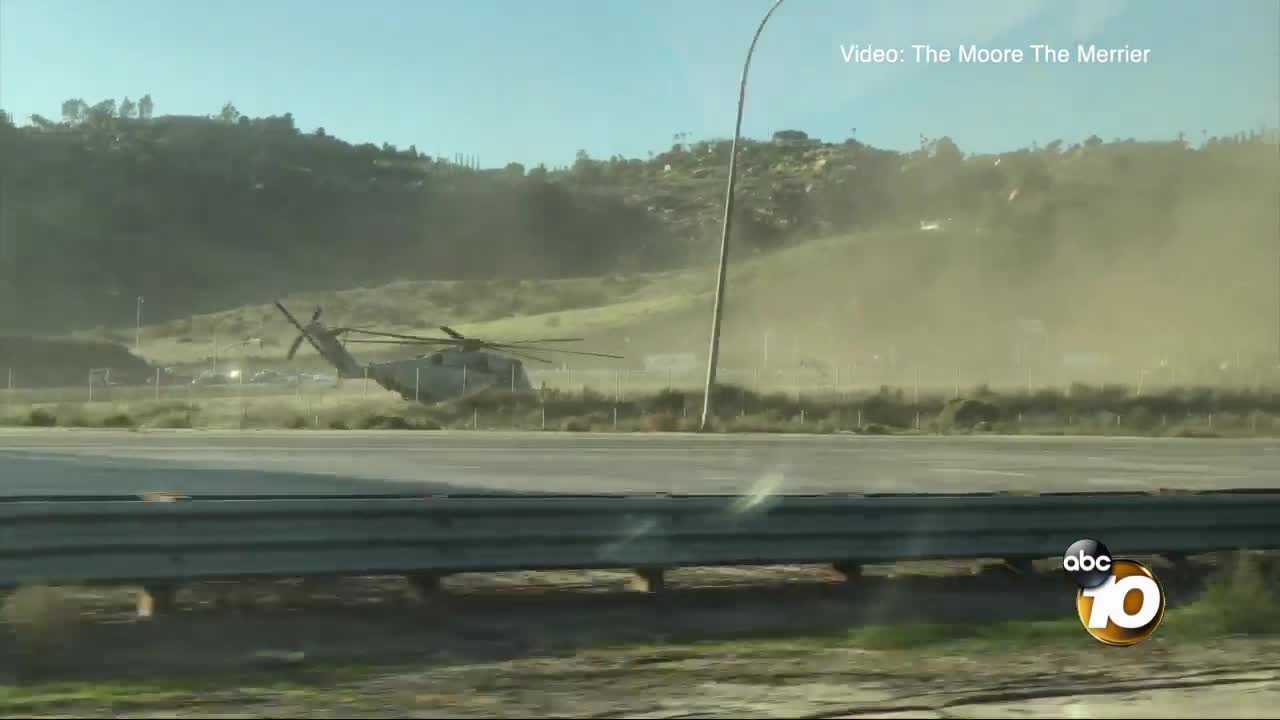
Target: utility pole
[(8, 236), (713, 357), (137, 326)]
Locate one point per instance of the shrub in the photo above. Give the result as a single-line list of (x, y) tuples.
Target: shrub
[(40, 418), (119, 420), (662, 422), (964, 413)]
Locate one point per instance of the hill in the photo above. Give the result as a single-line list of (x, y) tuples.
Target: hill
[(1156, 248)]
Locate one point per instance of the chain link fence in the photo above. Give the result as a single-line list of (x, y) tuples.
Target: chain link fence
[(790, 399)]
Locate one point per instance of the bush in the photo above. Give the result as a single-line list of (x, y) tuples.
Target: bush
[(174, 421), (576, 423), (964, 413), (43, 620), (119, 420), (383, 422), (40, 418), (662, 422), (1243, 597)]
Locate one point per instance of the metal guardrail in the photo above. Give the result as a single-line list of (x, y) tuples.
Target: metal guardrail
[(129, 540)]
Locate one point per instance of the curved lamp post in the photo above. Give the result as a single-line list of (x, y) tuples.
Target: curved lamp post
[(714, 356)]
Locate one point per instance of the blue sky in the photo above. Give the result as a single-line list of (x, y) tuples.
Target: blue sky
[(536, 80)]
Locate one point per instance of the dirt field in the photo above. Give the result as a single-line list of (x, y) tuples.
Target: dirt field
[(780, 642)]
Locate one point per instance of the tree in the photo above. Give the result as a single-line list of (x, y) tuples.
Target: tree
[(74, 111), (229, 114), (42, 122), (103, 112), (946, 152), (127, 108), (145, 107), (791, 136), (1092, 141)]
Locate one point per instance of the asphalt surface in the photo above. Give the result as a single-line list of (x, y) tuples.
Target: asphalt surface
[(57, 462)]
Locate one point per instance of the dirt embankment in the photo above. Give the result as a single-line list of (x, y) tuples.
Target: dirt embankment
[(60, 362)]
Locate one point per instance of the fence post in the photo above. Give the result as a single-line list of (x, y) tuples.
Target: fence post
[(90, 386), (513, 377), (417, 382), (366, 381), (157, 384)]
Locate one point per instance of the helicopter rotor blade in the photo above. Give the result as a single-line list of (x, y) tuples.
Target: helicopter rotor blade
[(452, 333), (402, 336), (544, 340), (400, 342), (289, 315), (303, 334), (557, 350), (528, 356)]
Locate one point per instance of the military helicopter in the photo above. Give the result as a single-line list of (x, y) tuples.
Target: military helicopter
[(460, 366)]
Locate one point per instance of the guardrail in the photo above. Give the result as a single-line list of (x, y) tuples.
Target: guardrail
[(130, 540)]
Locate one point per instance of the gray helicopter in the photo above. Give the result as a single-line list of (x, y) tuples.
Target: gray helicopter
[(460, 366)]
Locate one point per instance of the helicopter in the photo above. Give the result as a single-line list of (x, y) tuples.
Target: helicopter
[(458, 365)]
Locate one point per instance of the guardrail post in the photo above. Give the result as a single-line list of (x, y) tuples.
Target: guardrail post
[(649, 580), (157, 599), (850, 570), (425, 585)]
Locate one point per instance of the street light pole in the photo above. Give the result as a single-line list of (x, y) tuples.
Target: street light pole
[(713, 357), (137, 327)]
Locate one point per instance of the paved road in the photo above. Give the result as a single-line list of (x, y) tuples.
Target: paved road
[(319, 462)]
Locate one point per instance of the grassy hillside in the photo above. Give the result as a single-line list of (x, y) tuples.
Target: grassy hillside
[(1157, 253), (881, 305)]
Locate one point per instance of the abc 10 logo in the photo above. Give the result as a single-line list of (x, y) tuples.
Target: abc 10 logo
[(1119, 601)]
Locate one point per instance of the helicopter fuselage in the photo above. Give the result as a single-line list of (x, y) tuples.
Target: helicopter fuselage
[(449, 373)]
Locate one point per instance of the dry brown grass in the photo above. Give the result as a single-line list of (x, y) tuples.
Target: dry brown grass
[(43, 621)]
